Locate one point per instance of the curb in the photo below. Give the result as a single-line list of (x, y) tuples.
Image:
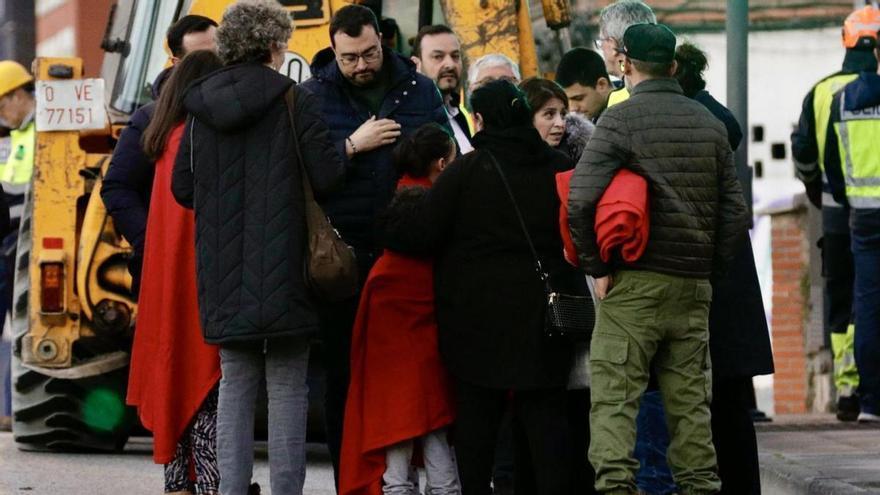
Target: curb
[(783, 476)]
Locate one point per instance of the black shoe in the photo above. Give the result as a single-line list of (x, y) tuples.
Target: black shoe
[(848, 408), (254, 489)]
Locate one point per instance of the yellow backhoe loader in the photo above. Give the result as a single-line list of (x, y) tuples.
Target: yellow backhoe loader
[(73, 315)]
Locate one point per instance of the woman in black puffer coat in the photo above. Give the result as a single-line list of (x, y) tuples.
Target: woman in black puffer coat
[(238, 168), (490, 300)]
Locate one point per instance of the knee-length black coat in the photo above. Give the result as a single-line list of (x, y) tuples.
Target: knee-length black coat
[(490, 300), (238, 169)]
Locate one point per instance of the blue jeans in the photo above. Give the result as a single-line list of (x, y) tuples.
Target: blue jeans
[(865, 225), (652, 439)]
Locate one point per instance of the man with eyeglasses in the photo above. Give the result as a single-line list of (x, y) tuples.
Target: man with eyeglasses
[(492, 67), (614, 20), (369, 97)]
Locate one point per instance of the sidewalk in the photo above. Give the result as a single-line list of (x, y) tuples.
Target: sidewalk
[(817, 455)]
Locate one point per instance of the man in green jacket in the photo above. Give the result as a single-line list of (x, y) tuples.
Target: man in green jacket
[(653, 314)]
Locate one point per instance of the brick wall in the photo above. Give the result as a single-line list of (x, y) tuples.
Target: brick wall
[(72, 28), (790, 261)]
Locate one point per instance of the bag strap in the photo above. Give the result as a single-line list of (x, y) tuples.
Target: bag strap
[(538, 267), (290, 97)]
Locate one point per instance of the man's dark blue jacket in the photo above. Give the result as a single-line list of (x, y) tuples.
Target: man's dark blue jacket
[(412, 101), (128, 184)]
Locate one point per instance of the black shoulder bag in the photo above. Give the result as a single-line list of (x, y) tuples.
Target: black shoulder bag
[(567, 315)]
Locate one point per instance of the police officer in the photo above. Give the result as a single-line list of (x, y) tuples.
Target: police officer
[(852, 165), (808, 147)]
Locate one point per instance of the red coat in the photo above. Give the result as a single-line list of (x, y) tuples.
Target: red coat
[(563, 185), (399, 388), (172, 369), (622, 217)]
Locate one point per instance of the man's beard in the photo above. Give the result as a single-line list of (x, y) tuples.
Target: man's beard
[(448, 89), (365, 77)]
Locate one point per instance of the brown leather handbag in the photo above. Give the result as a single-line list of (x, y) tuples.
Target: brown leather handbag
[(330, 267)]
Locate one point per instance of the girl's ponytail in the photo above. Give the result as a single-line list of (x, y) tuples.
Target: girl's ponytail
[(415, 152)]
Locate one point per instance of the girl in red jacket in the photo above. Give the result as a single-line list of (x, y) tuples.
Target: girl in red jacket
[(399, 397)]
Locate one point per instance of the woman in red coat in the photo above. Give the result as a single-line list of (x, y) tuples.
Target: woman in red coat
[(174, 373), (399, 390)]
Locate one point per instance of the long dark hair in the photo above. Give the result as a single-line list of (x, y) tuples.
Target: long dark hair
[(415, 152), (691, 64), (169, 107), (502, 105)]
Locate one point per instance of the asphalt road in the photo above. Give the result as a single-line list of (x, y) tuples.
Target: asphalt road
[(131, 472)]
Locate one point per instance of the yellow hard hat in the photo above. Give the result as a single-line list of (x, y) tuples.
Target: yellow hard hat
[(12, 75)]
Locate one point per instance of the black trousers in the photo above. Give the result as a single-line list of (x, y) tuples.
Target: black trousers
[(838, 270), (337, 321), (733, 434), (583, 474), (544, 441)]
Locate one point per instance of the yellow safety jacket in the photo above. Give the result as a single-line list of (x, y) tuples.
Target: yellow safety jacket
[(19, 166), (858, 133), (618, 96), (823, 93)]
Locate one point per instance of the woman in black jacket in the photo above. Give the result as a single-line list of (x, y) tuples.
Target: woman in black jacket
[(568, 133), (490, 300), (238, 168)]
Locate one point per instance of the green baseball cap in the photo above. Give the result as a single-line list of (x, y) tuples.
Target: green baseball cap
[(649, 43)]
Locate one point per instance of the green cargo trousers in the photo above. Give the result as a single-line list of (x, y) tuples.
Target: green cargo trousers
[(653, 321)]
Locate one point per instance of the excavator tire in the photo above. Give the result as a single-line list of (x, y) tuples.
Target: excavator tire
[(52, 414)]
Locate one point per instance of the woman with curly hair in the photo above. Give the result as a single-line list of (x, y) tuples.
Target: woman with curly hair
[(239, 168)]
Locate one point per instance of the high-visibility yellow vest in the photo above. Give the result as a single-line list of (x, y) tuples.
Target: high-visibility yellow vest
[(19, 166), (618, 96), (823, 93), (858, 133)]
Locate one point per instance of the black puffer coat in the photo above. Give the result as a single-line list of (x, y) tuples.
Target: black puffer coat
[(237, 168), (490, 300), (698, 214)]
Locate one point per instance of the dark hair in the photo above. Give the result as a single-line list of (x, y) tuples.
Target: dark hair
[(691, 64), (653, 69), (539, 91), (185, 25), (429, 31), (581, 66), (169, 107), (502, 105), (351, 20), (414, 154)]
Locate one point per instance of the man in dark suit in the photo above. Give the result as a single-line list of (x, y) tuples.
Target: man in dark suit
[(437, 54)]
